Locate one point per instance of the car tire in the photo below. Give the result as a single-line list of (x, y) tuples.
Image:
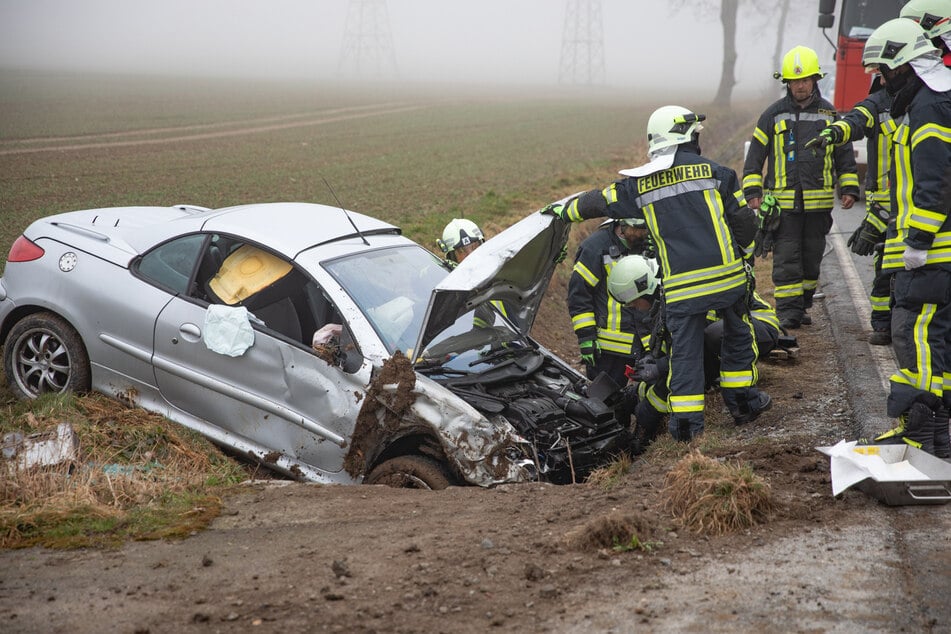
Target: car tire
[(410, 472), (44, 354)]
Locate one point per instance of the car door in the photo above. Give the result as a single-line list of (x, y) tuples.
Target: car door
[(278, 393)]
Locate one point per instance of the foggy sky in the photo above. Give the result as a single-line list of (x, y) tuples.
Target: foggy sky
[(463, 41)]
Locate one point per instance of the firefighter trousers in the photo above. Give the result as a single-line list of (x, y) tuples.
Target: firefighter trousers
[(881, 295), (800, 242), (737, 364), (921, 335)]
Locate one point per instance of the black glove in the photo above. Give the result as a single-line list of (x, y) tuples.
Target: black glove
[(764, 243), (646, 369), (831, 135), (864, 238)]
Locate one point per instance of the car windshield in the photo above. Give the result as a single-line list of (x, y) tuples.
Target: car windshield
[(393, 287)]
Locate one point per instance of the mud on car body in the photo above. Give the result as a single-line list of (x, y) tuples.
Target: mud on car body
[(208, 317)]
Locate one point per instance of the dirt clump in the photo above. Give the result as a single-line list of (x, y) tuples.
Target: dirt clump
[(382, 411)]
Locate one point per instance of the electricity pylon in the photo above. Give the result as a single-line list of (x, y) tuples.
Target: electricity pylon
[(368, 51), (582, 45)]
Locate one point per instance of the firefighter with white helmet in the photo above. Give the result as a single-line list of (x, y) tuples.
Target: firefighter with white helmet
[(460, 238), (703, 232), (803, 184), (919, 253)]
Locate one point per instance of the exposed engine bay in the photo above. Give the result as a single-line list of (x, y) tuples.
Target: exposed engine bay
[(549, 405)]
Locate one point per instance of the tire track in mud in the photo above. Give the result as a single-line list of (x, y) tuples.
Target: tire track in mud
[(279, 123)]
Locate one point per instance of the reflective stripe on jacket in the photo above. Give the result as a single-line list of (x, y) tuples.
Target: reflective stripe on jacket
[(778, 142), (594, 313), (921, 166)]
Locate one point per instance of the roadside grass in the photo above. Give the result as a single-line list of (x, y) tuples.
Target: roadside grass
[(135, 476)]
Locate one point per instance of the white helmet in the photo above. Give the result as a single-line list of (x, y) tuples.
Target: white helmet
[(671, 125), (934, 16), (459, 233), (631, 277), (896, 42)]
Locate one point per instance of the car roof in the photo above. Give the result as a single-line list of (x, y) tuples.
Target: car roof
[(290, 228)]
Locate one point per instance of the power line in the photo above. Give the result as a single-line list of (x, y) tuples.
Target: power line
[(368, 51), (582, 46)]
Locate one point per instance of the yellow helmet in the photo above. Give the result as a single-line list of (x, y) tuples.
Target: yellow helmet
[(798, 63)]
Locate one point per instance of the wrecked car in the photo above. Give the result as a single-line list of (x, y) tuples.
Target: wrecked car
[(315, 340)]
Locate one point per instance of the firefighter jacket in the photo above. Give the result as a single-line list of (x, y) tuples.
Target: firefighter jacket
[(699, 224), (921, 177), (871, 118), (778, 141), (594, 313)]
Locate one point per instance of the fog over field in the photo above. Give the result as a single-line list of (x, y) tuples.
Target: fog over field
[(648, 45)]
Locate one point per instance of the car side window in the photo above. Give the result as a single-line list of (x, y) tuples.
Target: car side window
[(170, 265), (281, 298)]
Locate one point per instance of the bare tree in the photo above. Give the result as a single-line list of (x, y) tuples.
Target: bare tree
[(773, 12), (780, 31), (728, 11)]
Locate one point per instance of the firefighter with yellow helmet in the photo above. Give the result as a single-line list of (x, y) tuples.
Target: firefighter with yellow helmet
[(802, 183)]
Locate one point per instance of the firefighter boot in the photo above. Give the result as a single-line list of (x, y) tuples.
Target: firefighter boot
[(942, 437), (680, 429), (645, 429), (749, 409), (916, 428)]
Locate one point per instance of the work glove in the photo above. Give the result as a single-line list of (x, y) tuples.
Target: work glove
[(914, 258), (647, 369), (764, 243), (561, 255), (769, 214), (557, 210), (830, 135), (590, 351), (864, 239)]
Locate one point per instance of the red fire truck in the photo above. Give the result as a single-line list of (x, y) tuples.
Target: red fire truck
[(856, 21)]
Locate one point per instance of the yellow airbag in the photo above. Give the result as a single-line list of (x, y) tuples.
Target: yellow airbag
[(245, 272)]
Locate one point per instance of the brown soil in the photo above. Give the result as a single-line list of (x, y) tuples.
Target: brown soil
[(287, 556)]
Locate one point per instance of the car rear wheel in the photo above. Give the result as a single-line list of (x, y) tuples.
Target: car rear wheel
[(410, 472), (44, 354)]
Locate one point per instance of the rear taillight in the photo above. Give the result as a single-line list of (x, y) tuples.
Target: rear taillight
[(24, 251)]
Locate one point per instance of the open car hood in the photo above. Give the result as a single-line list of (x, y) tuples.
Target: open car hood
[(514, 266)]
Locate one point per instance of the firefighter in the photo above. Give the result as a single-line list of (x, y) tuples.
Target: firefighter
[(702, 231), (920, 252), (633, 282), (606, 330), (871, 119), (803, 185), (460, 238)]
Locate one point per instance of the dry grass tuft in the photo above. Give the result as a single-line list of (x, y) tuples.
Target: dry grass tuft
[(612, 531), (137, 475), (610, 475), (707, 496)]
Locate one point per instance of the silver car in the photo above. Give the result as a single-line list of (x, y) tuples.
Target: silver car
[(317, 341)]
